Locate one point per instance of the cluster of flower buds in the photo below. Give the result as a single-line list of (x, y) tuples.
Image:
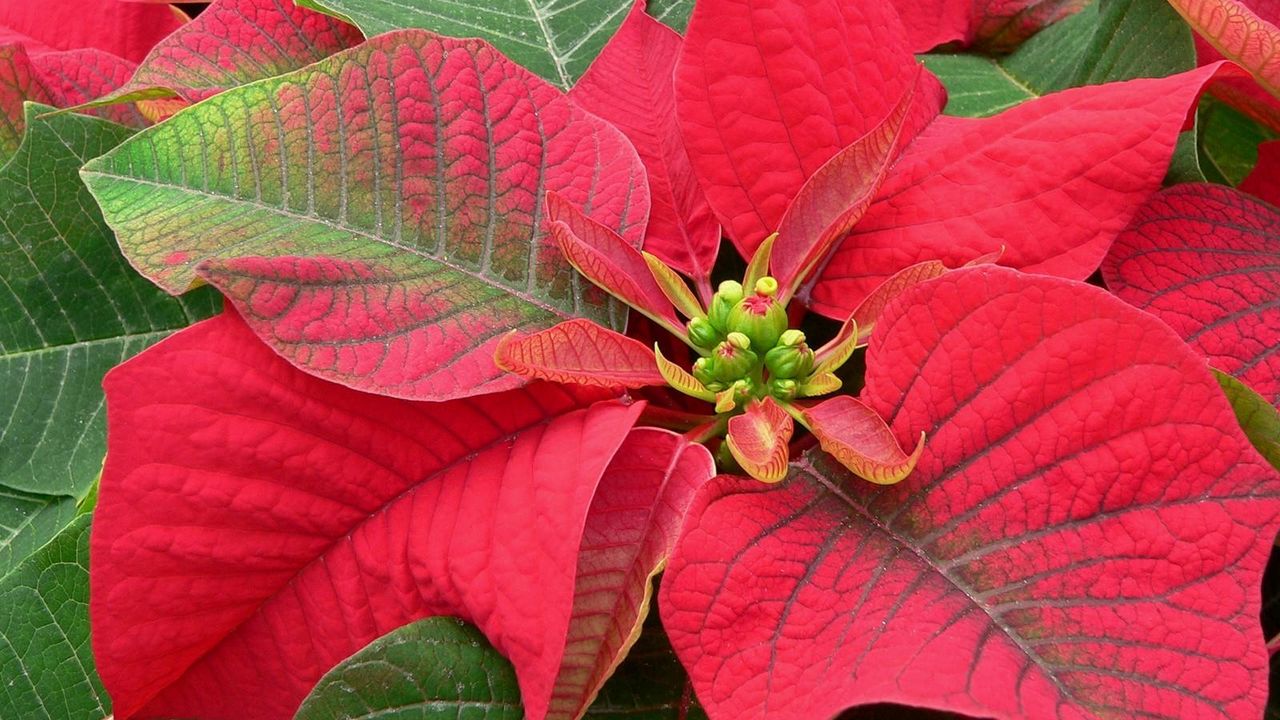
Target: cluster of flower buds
[(752, 353)]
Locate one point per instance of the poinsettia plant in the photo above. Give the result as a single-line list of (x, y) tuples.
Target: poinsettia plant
[(514, 328)]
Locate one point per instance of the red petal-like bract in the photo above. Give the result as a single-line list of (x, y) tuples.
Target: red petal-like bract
[(758, 439), (630, 84), (257, 525), (856, 436), (378, 216), (631, 528), (996, 25), (233, 42), (769, 90), (580, 352), (1263, 182), (1052, 180), (1206, 260), (125, 30), (1084, 535)]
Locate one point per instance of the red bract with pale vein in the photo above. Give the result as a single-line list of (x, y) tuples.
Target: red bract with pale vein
[(259, 525), (1070, 544), (1206, 260)]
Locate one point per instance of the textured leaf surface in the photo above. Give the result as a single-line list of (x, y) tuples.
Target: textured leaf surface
[(630, 84), (44, 634), (1241, 35), (125, 30), (1258, 418), (855, 435), (1052, 181), (997, 25), (1106, 42), (758, 439), (554, 38), (649, 685), (674, 13), (234, 42), (630, 530), (582, 353), (70, 309), (376, 216), (1206, 260), (1072, 543), (767, 91), (439, 668), (258, 526), (1229, 141)]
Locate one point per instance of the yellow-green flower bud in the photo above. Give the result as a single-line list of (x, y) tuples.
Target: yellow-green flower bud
[(792, 358), (728, 295), (732, 359), (760, 318), (703, 370), (702, 333), (783, 388), (766, 286)]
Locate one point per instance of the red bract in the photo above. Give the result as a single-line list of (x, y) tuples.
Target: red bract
[(257, 525), (127, 31), (1246, 34), (1203, 258), (1072, 543), (1050, 181)]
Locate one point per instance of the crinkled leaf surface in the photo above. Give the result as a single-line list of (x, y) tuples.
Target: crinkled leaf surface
[(127, 31), (234, 42), (556, 39), (1052, 181), (376, 216), (1247, 38), (1206, 260), (630, 84), (45, 658), (439, 668), (257, 525), (1106, 42), (769, 90), (997, 25), (1071, 544), (582, 353), (70, 309), (630, 530)]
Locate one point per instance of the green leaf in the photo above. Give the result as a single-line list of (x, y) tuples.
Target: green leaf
[(1259, 420), (557, 39), (1105, 42), (1228, 141), (439, 668), (675, 13), (46, 665), (650, 684), (71, 308)]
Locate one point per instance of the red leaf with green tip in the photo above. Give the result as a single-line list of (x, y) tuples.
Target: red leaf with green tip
[(758, 439), (234, 42), (257, 525), (833, 199), (856, 436), (630, 530), (1206, 260), (1084, 535), (1052, 180), (377, 215), (996, 25), (1263, 182), (125, 30), (769, 90), (581, 353), (630, 85), (608, 260)]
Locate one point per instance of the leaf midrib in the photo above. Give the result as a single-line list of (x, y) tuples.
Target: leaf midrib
[(77, 344)]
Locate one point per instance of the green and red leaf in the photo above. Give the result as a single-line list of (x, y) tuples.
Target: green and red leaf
[(758, 439), (579, 352), (1083, 536), (630, 84), (1206, 260), (377, 215), (994, 25), (257, 525)]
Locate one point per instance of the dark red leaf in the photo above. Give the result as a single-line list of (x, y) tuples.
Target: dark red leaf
[(1264, 181), (1206, 260), (630, 84), (769, 90), (1052, 181), (256, 525), (1084, 535)]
